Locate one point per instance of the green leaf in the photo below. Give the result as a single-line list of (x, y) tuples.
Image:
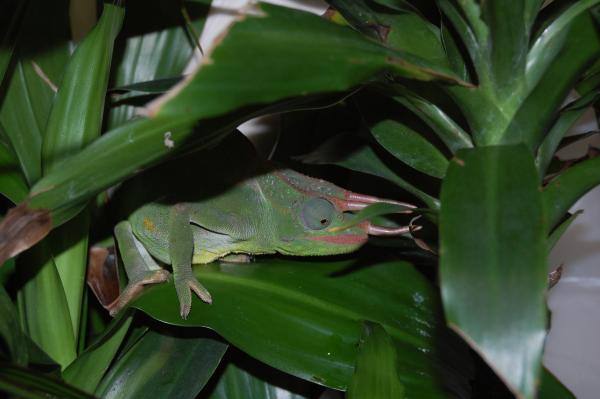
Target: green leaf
[(376, 372), (156, 86), (236, 383), (249, 60), (152, 62), (12, 183), (466, 34), (76, 115), (506, 45), (551, 387), (493, 260), (410, 147), (554, 137), (88, 369), (10, 18), (29, 384), (561, 228), (169, 364), (581, 48), (560, 194), (551, 40), (41, 54), (75, 120), (361, 158), (446, 129), (314, 311), (44, 304), (10, 330), (406, 31)]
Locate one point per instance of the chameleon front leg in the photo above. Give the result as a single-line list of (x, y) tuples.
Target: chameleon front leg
[(181, 249), (141, 269)]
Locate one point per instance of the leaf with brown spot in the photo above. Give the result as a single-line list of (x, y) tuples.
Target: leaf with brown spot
[(21, 229)]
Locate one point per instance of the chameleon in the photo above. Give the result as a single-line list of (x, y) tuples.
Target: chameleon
[(242, 206)]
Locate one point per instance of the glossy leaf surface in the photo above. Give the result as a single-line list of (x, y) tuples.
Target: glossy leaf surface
[(167, 364), (493, 286), (410, 147), (326, 51), (305, 318), (88, 369), (376, 373), (237, 383), (24, 383)]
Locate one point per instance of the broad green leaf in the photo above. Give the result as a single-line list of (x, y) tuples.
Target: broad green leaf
[(314, 312), (88, 369), (446, 129), (551, 40), (249, 60), (410, 147), (172, 364), (236, 383), (361, 158), (28, 384), (493, 260), (562, 192), (12, 183), (10, 330), (376, 374), (44, 304)]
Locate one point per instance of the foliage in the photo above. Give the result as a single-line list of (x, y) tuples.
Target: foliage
[(457, 106)]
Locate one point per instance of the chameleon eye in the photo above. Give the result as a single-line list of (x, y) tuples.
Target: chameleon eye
[(317, 213)]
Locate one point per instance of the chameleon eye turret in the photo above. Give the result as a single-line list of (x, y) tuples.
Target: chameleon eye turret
[(317, 213)]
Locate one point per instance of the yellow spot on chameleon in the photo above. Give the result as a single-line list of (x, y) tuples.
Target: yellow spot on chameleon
[(149, 225)]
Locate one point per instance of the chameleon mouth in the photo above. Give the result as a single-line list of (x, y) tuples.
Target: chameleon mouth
[(342, 239)]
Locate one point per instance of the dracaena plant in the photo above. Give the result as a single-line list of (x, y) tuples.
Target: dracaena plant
[(455, 106)]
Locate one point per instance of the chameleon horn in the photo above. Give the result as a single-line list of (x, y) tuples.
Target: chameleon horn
[(375, 230), (356, 202)]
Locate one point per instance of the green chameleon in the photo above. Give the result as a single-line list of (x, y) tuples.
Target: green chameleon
[(242, 207)]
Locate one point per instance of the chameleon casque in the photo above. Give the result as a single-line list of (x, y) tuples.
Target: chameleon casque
[(241, 205)]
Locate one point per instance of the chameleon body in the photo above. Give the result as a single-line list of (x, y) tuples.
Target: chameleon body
[(255, 208)]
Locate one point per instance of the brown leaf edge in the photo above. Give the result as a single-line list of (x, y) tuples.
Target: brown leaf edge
[(21, 228)]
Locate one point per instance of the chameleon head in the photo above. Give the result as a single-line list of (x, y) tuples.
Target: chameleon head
[(319, 213)]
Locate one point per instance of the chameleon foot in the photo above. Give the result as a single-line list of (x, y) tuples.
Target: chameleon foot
[(135, 287), (184, 287)]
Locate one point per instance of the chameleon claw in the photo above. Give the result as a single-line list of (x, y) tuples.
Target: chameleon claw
[(184, 288)]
